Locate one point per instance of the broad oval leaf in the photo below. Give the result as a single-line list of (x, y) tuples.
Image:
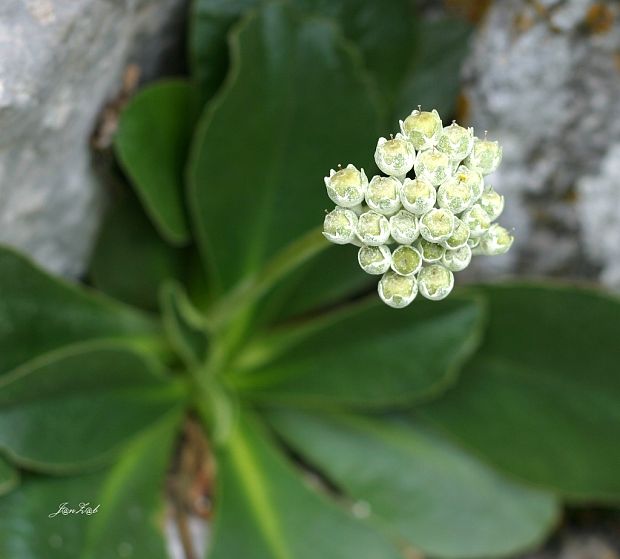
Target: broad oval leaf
[(129, 496), (9, 477), (441, 500), (74, 407), (296, 103), (365, 355), (540, 399), (152, 145), (40, 313), (265, 511)]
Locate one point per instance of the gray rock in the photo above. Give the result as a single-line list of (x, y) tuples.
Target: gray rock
[(59, 62), (544, 79)]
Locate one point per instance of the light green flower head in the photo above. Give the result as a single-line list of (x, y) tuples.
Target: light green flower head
[(423, 222)]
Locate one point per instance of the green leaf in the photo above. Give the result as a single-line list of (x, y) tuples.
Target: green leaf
[(128, 522), (9, 476), (152, 144), (384, 33), (540, 399), (130, 260), (265, 511), (434, 77), (430, 492), (272, 134), (39, 313), (76, 406), (366, 355)]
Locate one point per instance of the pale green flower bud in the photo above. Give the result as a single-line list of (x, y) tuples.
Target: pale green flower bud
[(395, 156), (485, 156), (340, 226), (404, 227), (431, 252), (455, 194), (497, 240), (374, 260), (383, 194), (397, 291), (435, 282), (473, 179), (456, 142), (459, 237), (347, 186), (437, 225), (457, 260), (422, 128), (373, 228), (477, 220), (406, 260), (418, 196), (473, 242), (433, 166), (492, 203)]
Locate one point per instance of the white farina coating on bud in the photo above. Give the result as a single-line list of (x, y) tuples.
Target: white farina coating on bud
[(418, 196), (383, 194), (457, 260), (404, 227), (473, 179), (437, 225), (485, 156), (347, 186), (456, 142), (459, 237), (374, 260), (497, 240), (422, 128), (406, 260), (397, 291), (373, 228), (395, 156), (340, 226), (455, 194), (435, 282), (433, 166), (477, 220), (492, 203), (431, 252)]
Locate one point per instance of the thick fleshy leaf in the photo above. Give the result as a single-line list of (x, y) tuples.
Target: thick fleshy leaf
[(540, 399), (9, 477), (265, 511), (383, 31), (273, 133), (76, 406), (443, 501), (366, 355), (39, 313), (130, 260), (434, 76), (129, 518), (152, 145)]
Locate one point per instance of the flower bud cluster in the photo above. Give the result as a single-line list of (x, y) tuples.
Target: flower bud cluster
[(422, 222)]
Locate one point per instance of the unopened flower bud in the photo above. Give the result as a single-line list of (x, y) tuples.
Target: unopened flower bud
[(473, 242), (431, 252), (497, 240), (395, 156), (418, 196), (433, 166), (373, 228), (477, 220), (340, 226), (437, 225), (459, 236), (456, 142), (404, 227), (457, 260), (374, 260), (455, 194), (347, 186), (492, 203), (435, 282), (485, 156), (406, 260), (383, 194), (422, 128), (397, 291)]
